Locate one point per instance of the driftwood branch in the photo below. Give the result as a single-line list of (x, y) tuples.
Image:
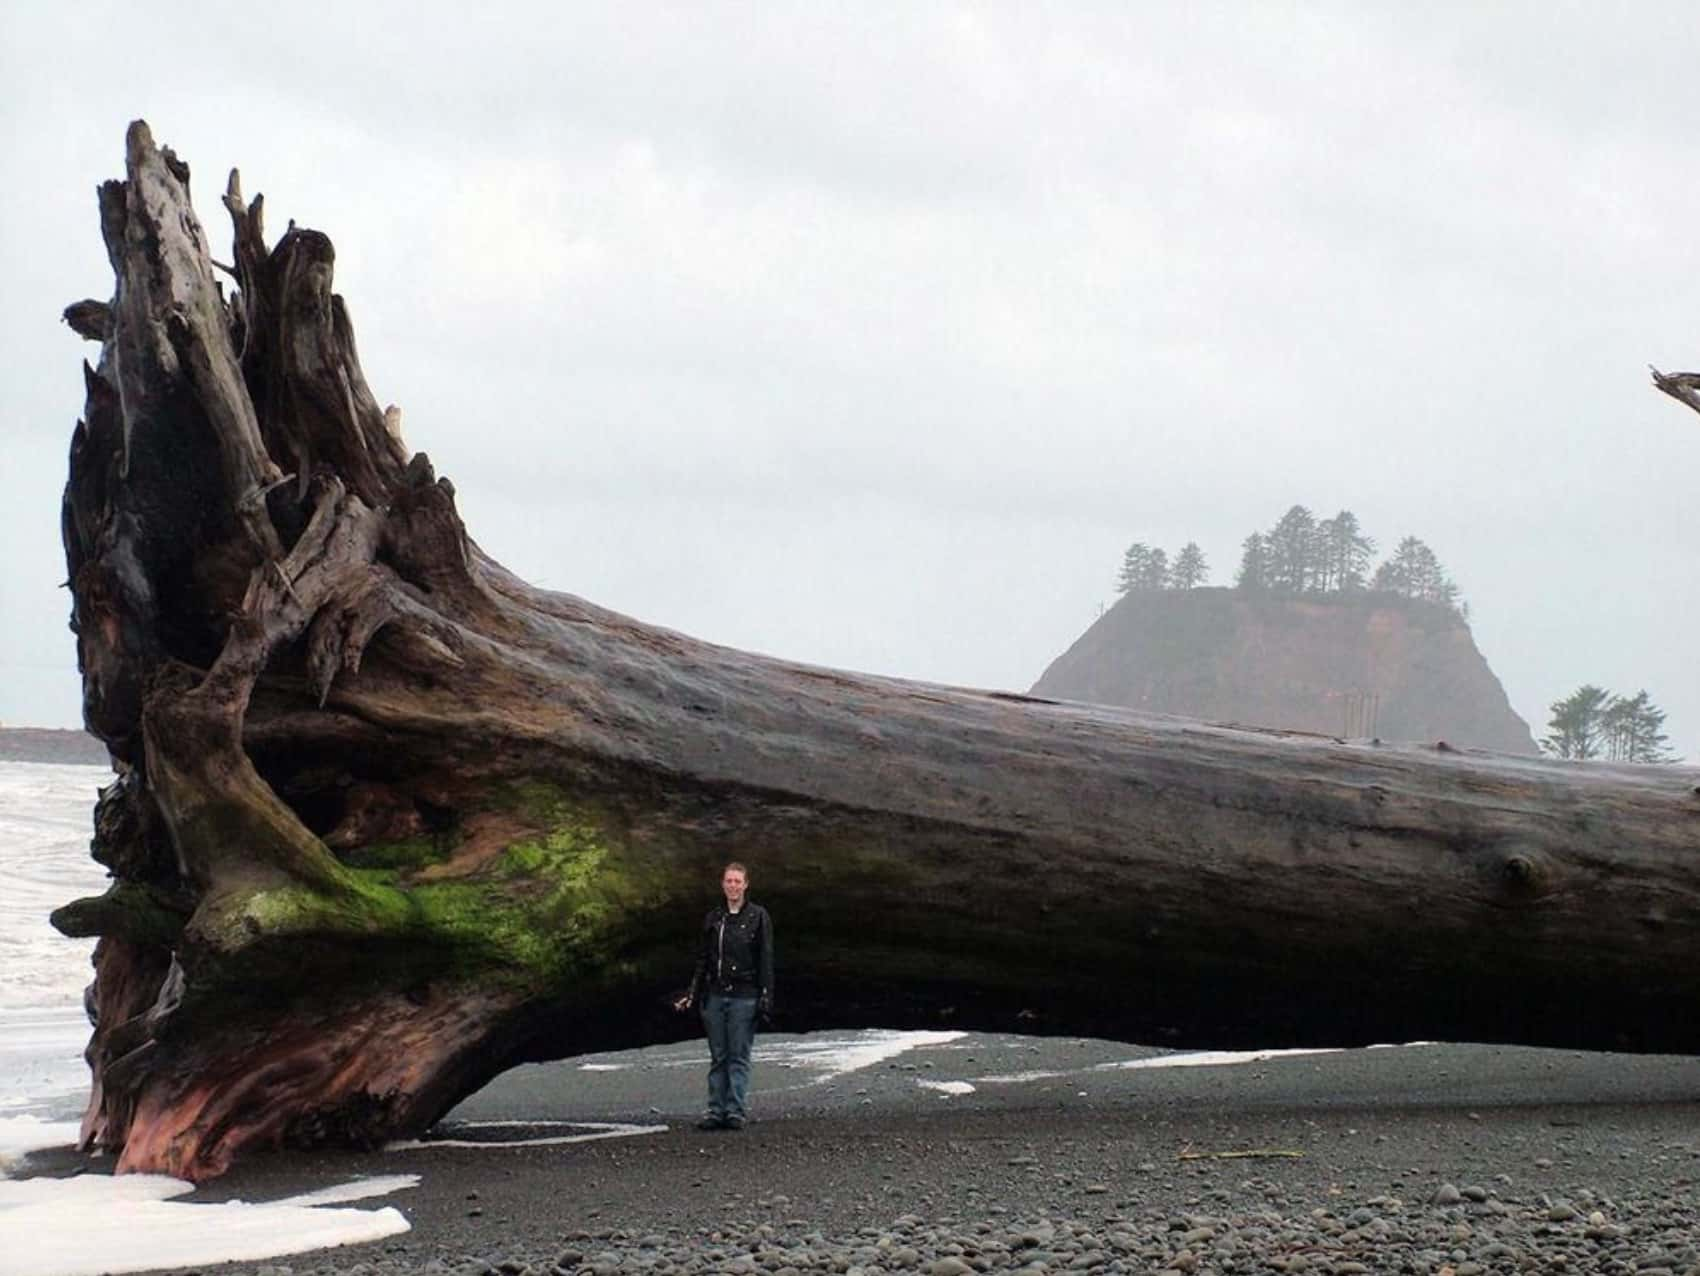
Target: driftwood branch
[(1684, 387)]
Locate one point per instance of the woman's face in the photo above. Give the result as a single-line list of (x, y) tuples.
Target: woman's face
[(733, 883)]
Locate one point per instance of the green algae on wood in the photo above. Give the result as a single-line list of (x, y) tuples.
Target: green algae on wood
[(542, 911)]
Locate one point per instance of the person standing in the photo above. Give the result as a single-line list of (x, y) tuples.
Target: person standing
[(732, 984)]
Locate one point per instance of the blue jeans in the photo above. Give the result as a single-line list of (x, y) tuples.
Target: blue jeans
[(731, 1025)]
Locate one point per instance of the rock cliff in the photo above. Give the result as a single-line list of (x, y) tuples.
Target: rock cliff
[(1366, 664)]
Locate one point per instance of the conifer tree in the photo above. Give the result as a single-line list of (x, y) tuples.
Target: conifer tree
[(1156, 571), (1253, 575), (1414, 571), (1430, 581), (1576, 727), (1190, 569), (1135, 562), (1632, 730), (1615, 729), (1396, 574), (1345, 552), (1292, 551)]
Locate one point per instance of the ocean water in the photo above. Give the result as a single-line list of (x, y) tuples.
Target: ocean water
[(46, 820)]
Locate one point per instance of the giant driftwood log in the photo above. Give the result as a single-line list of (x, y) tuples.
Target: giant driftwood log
[(390, 820)]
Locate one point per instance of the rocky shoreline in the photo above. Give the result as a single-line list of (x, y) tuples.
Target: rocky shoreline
[(1066, 1156), (1460, 1232), (1253, 1226)]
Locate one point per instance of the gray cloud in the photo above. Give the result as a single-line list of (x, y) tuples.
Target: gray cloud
[(872, 340)]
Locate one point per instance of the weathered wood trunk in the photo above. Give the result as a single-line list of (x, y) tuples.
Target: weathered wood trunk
[(390, 820)]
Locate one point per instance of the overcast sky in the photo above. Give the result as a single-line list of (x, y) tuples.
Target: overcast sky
[(871, 336)]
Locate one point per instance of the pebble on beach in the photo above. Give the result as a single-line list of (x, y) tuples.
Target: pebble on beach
[(1453, 1235)]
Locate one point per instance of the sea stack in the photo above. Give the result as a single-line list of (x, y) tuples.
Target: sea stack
[(1347, 664)]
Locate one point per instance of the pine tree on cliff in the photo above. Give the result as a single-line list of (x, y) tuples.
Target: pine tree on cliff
[(1156, 571), (1647, 739), (1346, 552), (1616, 731), (1292, 549), (1143, 568), (1136, 561), (1414, 571), (1253, 575), (1632, 730), (1396, 573), (1576, 727), (1432, 583), (1190, 570)]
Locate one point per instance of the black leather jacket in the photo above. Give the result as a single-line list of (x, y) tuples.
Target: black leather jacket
[(735, 956)]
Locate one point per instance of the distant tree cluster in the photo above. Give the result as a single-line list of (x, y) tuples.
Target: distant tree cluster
[(1302, 555), (1415, 572), (1146, 568), (1591, 722)]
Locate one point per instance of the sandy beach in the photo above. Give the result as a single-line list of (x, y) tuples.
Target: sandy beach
[(1011, 1153)]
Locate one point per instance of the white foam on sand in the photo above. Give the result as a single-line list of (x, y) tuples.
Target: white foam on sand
[(831, 1056), (354, 1190), (98, 1223), (837, 1056), (1208, 1058), (20, 1135), (594, 1131), (1186, 1059), (947, 1088)]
